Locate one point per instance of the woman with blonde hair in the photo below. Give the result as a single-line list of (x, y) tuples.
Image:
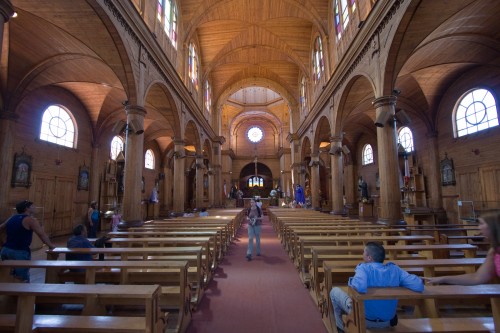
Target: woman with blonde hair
[(489, 226)]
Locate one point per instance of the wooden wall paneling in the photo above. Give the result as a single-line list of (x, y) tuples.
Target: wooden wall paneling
[(490, 181)]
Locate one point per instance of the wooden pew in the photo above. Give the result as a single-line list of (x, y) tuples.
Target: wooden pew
[(293, 234), (319, 254), (306, 242), (233, 223), (93, 318), (224, 230), (216, 234), (208, 243), (197, 274), (170, 275), (489, 293), (338, 272), (438, 231)]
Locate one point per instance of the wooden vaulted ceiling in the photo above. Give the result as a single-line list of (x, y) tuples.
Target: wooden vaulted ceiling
[(259, 44)]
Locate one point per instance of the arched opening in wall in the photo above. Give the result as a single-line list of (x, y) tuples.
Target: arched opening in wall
[(256, 179)]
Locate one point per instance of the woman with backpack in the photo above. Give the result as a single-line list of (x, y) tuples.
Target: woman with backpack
[(93, 220), (254, 217)]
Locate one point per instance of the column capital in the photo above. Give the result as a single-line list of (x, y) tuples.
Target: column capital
[(135, 110), (178, 141), (219, 140), (336, 138), (8, 115), (292, 137), (6, 10), (384, 101)]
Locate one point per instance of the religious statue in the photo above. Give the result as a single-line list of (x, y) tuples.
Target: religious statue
[(299, 195), (363, 187)]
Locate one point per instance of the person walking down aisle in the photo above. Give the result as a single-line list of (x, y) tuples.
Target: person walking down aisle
[(20, 229), (254, 217), (93, 219), (374, 273), (489, 226)]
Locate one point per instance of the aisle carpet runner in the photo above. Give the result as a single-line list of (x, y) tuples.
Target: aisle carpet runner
[(264, 295)]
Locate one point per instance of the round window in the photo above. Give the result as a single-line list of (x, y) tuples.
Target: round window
[(255, 134)]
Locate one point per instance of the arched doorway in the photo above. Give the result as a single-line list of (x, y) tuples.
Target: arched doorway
[(256, 179)]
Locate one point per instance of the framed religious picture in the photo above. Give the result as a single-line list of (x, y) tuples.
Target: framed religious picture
[(83, 178), (143, 185), (21, 170), (377, 181)]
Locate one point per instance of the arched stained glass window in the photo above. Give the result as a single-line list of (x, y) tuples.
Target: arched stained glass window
[(58, 126), (475, 111), (193, 65), (367, 154), (303, 98), (342, 12), (208, 97), (405, 139), (149, 160), (317, 60), (116, 147), (255, 181)]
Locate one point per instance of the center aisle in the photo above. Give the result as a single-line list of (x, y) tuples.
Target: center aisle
[(264, 295)]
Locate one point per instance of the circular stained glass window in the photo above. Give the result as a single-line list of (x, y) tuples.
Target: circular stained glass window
[(255, 134)]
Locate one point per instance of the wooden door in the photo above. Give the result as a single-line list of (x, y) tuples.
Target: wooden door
[(54, 196), (490, 180)]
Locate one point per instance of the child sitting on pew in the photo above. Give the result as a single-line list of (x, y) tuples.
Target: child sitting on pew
[(489, 226), (374, 273)]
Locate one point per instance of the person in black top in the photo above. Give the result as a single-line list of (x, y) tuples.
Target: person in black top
[(20, 229), (254, 217)]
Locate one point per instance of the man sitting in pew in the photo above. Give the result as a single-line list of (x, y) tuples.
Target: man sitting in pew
[(489, 227), (374, 273), (79, 240)]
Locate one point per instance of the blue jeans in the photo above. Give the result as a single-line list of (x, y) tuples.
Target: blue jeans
[(254, 232), (342, 304), (22, 274)]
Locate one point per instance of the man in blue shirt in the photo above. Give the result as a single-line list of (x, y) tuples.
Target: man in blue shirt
[(374, 273), (79, 240)]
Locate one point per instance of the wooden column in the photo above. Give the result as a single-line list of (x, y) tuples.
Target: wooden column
[(7, 158), (134, 162), (211, 187), (179, 176), (96, 175), (337, 165), (315, 187), (434, 173), (200, 172), (6, 12), (166, 198), (217, 168), (390, 195)]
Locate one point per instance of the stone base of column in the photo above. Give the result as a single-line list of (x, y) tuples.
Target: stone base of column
[(337, 212), (124, 225)]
